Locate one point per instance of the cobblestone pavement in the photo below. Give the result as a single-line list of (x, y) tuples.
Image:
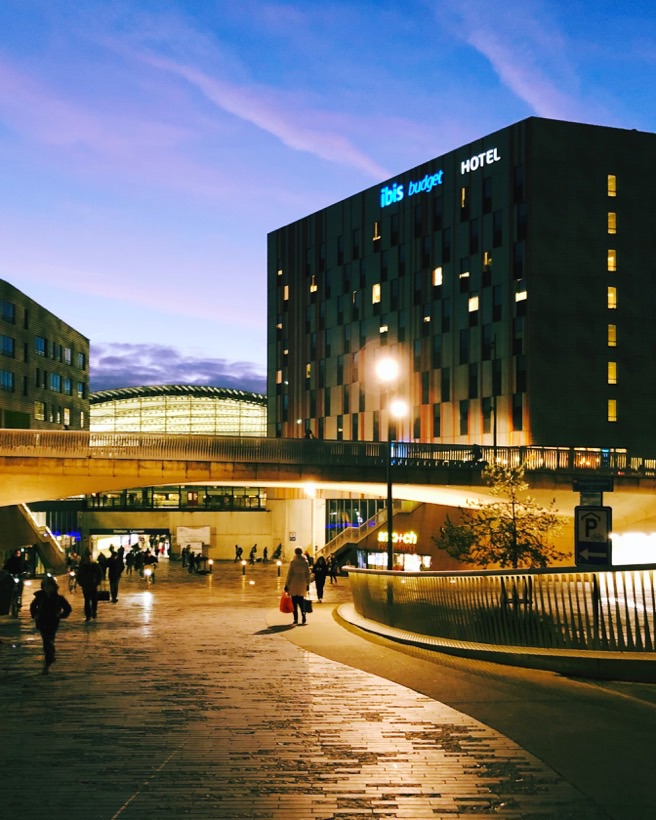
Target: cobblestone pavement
[(189, 700)]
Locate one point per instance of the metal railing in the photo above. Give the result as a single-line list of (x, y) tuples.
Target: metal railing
[(613, 610), (172, 446)]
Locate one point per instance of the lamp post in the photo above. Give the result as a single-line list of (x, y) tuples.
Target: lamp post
[(387, 371)]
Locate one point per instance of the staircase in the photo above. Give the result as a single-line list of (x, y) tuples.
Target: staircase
[(50, 551)]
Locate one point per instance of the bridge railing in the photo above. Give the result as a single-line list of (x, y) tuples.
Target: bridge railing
[(161, 446), (612, 610)]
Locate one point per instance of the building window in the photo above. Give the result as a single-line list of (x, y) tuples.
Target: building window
[(437, 277), (436, 421), (464, 417), (464, 203), (612, 185), (375, 294), (517, 412), (612, 409), (497, 306), (612, 222), (612, 260), (487, 195), (308, 370), (612, 372), (445, 384), (67, 417), (285, 293), (612, 335), (39, 411), (464, 274), (6, 381), (80, 390), (8, 346), (497, 229), (68, 355), (55, 382), (612, 298), (472, 304), (473, 380), (313, 284), (40, 346), (8, 311), (464, 346)]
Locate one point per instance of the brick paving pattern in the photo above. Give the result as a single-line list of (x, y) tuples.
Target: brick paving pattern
[(190, 701)]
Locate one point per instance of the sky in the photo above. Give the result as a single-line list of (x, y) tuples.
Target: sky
[(147, 147)]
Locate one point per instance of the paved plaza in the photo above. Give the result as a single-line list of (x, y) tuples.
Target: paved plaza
[(199, 699)]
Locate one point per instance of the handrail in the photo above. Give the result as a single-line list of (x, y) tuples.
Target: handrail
[(606, 610), (171, 446)]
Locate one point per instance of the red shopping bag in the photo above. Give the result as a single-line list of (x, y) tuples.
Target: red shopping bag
[(286, 604)]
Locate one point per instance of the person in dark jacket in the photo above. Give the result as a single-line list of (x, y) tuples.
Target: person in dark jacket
[(89, 577), (320, 573), (115, 567), (48, 607), (298, 582)]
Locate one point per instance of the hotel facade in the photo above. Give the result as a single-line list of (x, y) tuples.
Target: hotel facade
[(512, 279)]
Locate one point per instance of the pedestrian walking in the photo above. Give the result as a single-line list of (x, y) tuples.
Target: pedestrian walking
[(48, 607), (265, 555), (238, 553), (320, 573), (298, 583), (253, 553), (115, 567), (332, 569), (89, 578)]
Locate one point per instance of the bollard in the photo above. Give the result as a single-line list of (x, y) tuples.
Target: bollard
[(211, 564), (243, 567), (279, 565)]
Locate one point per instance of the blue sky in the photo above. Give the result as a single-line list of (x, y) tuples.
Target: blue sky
[(147, 147)]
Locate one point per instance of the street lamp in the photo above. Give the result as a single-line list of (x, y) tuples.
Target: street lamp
[(387, 371)]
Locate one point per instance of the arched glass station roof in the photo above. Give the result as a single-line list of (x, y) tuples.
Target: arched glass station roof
[(178, 408)]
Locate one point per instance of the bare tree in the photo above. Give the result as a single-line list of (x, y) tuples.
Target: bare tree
[(513, 532)]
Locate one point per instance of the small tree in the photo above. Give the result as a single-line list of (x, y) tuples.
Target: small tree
[(513, 532)]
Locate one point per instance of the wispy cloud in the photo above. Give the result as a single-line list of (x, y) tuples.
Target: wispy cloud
[(270, 111), (133, 365), (526, 49)]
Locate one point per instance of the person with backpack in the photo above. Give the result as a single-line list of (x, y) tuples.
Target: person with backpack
[(48, 607)]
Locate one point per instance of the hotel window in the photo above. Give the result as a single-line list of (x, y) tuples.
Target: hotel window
[(612, 222), (612, 409), (419, 221), (464, 203), (612, 298), (519, 190), (445, 384), (464, 346), (425, 387), (486, 279), (612, 260), (517, 412), (416, 356), (313, 284), (394, 230), (80, 390), (40, 346), (68, 355), (473, 380), (446, 315), (612, 335), (82, 419), (436, 421), (81, 361), (612, 372), (340, 250), (8, 346), (308, 370), (375, 294), (67, 416), (278, 376), (497, 306), (472, 304), (437, 277), (68, 387), (438, 213), (486, 343), (376, 235), (55, 382), (474, 236), (285, 293), (612, 185), (39, 411), (6, 381), (518, 260), (464, 274), (436, 352), (487, 195), (356, 243), (279, 271), (486, 412), (497, 229), (446, 245)]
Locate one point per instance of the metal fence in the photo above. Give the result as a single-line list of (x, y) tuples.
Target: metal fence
[(157, 446), (610, 610)]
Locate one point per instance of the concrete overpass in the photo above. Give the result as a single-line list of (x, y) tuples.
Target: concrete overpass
[(41, 465)]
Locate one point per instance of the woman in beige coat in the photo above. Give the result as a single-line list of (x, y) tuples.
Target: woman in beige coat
[(298, 582)]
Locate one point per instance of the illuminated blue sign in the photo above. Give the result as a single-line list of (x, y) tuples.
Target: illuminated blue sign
[(395, 192)]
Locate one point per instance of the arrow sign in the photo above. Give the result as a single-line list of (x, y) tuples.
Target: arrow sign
[(587, 554)]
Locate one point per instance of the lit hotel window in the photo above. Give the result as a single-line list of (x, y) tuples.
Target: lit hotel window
[(472, 303), (279, 271), (612, 372), (612, 409), (612, 222), (285, 293), (384, 328), (612, 260), (376, 231), (612, 298), (308, 371), (463, 196), (375, 294), (612, 335), (521, 296), (313, 285), (612, 185), (487, 259), (437, 277), (427, 319), (278, 376)]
